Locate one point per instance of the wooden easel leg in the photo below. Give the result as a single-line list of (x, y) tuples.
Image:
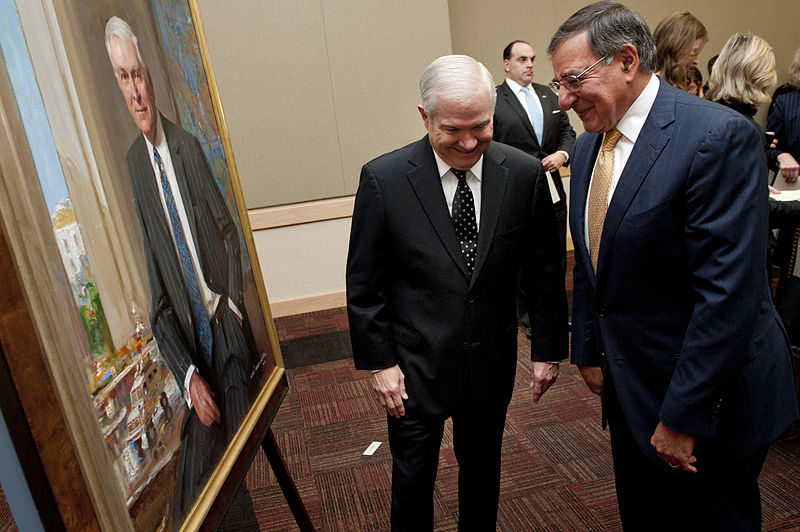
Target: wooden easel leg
[(286, 483)]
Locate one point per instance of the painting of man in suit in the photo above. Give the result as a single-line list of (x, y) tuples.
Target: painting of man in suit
[(673, 322), (192, 254), (440, 229)]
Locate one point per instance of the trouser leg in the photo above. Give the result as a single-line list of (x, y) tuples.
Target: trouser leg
[(414, 443)]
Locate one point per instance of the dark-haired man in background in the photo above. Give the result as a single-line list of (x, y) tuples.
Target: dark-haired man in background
[(527, 116)]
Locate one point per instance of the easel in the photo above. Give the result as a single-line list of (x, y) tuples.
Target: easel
[(286, 483)]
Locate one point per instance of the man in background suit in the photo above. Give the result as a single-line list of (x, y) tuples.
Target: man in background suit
[(514, 121), (191, 248), (432, 311), (527, 116), (672, 318)]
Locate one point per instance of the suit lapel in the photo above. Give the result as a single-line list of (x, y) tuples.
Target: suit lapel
[(547, 99), (424, 179), (176, 153), (513, 102), (579, 190), (651, 142), (493, 188)]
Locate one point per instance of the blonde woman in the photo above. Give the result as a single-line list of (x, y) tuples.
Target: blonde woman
[(744, 74)]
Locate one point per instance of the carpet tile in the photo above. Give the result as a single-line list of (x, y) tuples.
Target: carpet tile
[(556, 474)]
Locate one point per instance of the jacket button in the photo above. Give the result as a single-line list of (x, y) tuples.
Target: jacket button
[(603, 313)]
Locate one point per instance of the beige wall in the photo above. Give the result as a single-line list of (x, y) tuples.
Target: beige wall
[(311, 91), (535, 22)]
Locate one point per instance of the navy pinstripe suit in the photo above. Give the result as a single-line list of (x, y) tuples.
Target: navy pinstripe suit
[(784, 120), (679, 314), (217, 243)]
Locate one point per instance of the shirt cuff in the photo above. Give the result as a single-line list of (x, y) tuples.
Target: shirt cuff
[(566, 161), (186, 381)]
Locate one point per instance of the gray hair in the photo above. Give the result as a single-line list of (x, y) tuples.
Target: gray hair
[(119, 28), (609, 26), (453, 78)]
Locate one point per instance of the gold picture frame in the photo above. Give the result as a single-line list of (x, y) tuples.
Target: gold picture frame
[(76, 341)]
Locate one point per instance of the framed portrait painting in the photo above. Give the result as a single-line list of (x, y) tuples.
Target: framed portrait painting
[(137, 334)]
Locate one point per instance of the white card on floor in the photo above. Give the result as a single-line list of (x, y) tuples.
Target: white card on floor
[(372, 448)]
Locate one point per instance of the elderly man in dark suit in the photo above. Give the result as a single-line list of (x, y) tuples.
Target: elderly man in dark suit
[(191, 248), (440, 229), (672, 317)]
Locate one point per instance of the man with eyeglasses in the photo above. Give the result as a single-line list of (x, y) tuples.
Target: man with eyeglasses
[(672, 318), (527, 116)]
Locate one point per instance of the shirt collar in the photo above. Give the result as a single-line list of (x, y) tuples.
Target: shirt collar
[(516, 87), (632, 122), (161, 141), (443, 167)]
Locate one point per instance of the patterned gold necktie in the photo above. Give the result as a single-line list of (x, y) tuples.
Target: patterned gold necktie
[(598, 194)]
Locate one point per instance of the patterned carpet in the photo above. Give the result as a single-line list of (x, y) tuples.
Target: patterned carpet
[(556, 473)]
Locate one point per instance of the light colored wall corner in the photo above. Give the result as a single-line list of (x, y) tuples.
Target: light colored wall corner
[(303, 264)]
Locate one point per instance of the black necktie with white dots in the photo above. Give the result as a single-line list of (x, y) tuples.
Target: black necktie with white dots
[(464, 220)]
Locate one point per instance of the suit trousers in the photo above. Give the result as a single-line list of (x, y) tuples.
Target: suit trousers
[(414, 441), (201, 446), (722, 497)]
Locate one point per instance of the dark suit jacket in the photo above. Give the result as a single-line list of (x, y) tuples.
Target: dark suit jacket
[(679, 313), (513, 127), (215, 238), (784, 120), (410, 299)]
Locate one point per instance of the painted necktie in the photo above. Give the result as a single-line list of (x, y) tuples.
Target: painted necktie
[(199, 314)]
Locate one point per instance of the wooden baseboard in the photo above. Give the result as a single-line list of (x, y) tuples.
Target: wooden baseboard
[(301, 213), (301, 305)]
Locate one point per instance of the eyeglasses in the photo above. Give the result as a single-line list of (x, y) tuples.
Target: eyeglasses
[(572, 82)]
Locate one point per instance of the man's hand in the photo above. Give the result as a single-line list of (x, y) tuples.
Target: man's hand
[(203, 400), (790, 170), (389, 385), (593, 377), (675, 448), (554, 161), (543, 375)]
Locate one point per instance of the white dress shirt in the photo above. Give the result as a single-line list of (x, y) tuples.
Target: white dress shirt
[(450, 183), (630, 125)]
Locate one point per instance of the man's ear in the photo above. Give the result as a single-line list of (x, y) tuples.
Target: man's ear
[(629, 58), (506, 68), (424, 116)]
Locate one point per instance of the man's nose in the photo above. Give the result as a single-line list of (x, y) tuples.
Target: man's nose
[(566, 98), (469, 142), (135, 93)]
